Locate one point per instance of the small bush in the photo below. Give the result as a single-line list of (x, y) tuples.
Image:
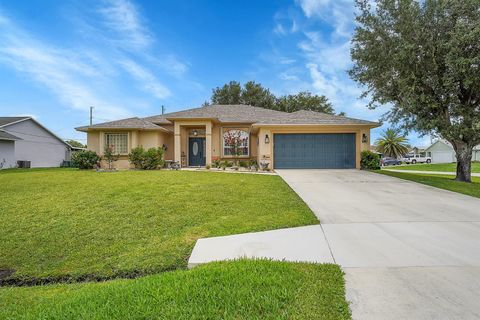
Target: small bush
[(207, 167), (369, 160), (216, 163), (150, 159), (252, 164), (243, 163), (85, 159), (136, 157)]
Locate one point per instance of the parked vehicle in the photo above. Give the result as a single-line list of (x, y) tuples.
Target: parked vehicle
[(416, 158), (388, 161)]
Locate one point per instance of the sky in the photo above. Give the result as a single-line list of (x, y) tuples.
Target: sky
[(129, 57)]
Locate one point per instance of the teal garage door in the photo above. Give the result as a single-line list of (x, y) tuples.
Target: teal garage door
[(314, 151)]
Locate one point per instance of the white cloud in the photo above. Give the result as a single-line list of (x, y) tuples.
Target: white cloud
[(122, 17), (150, 83), (288, 76), (337, 13), (66, 73)]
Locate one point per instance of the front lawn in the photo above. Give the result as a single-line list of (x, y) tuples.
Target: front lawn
[(64, 224), (242, 289), (443, 167), (443, 182)]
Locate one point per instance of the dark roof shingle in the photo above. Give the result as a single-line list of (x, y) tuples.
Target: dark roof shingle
[(233, 114), (130, 123), (8, 120)]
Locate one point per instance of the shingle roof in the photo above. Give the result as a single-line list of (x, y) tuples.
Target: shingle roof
[(7, 120), (313, 117), (231, 114), (7, 136), (130, 123)]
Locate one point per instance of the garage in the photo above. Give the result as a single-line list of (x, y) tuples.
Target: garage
[(314, 151)]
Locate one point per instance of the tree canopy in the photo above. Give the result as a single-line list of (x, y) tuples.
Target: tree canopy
[(255, 94), (423, 59), (75, 143)]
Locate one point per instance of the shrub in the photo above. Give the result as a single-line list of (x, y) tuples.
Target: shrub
[(207, 167), (85, 159), (369, 160), (136, 157), (216, 163), (243, 164), (150, 159)]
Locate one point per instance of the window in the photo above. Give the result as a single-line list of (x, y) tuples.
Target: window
[(117, 141), (236, 142)]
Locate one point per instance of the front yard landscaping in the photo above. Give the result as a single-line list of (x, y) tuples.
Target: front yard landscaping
[(443, 167), (67, 224), (244, 289), (440, 181)]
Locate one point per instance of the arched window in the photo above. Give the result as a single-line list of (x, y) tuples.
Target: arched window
[(236, 142)]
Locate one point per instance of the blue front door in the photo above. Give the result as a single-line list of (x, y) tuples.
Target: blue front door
[(196, 152)]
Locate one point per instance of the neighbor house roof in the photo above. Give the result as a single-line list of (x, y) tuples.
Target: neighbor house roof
[(130, 123), (237, 114), (7, 136), (8, 121), (4, 121)]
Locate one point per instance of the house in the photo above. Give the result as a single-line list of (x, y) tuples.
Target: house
[(441, 151), (25, 142), (196, 137), (417, 150)]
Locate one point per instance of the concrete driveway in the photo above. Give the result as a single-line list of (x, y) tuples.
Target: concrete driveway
[(409, 251)]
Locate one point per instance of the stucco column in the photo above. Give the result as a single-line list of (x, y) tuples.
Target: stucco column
[(177, 145), (134, 142), (208, 142), (101, 144)]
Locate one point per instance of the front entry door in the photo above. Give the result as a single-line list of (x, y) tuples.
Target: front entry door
[(196, 152)]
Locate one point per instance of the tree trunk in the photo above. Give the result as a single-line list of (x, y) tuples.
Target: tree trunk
[(464, 161)]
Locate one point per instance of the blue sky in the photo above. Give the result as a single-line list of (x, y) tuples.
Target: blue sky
[(130, 57)]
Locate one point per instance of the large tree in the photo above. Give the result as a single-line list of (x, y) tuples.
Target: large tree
[(304, 101), (230, 93), (255, 94), (423, 58)]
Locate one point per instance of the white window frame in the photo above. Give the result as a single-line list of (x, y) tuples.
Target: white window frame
[(244, 129), (116, 151)]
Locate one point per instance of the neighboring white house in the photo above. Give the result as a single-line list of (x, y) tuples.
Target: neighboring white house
[(442, 152), (28, 140)]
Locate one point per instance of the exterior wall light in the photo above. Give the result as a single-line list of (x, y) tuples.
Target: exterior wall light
[(364, 138), (267, 139), (195, 132)]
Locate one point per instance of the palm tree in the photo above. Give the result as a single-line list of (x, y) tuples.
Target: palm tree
[(392, 144)]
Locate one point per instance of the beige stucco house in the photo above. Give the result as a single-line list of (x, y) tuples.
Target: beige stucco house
[(196, 137)]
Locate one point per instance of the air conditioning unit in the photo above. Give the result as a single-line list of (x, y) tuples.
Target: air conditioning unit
[(23, 164)]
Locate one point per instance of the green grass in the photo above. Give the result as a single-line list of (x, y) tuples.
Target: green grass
[(443, 167), (244, 289), (443, 182), (64, 224)]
